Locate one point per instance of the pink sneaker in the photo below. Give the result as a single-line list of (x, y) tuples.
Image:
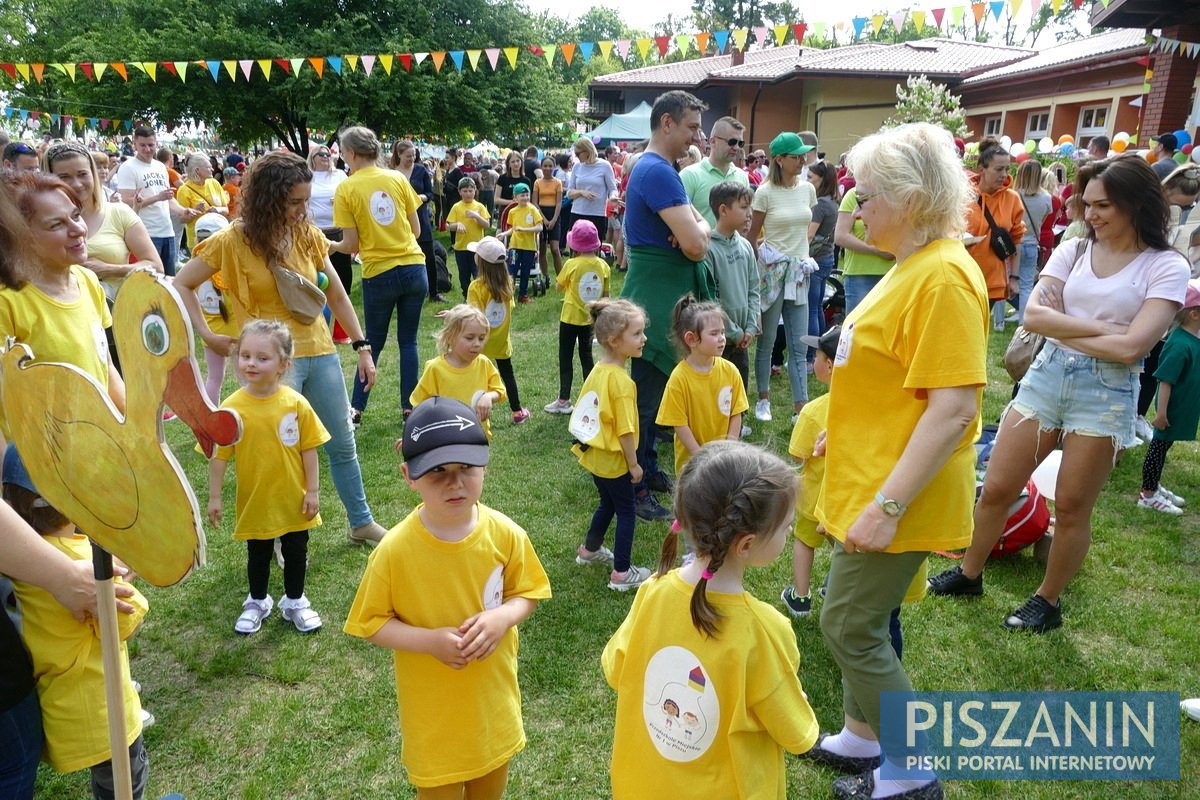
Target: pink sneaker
[(520, 416)]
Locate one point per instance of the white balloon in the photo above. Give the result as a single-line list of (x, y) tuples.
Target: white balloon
[(1121, 137), (1017, 149), (1046, 145), (1006, 142), (1196, 154)]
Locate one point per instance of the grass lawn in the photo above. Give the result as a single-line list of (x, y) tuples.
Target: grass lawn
[(282, 715)]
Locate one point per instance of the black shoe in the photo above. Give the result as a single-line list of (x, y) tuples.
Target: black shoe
[(860, 787), (1036, 615), (439, 298), (952, 582), (659, 481), (647, 507), (851, 764)]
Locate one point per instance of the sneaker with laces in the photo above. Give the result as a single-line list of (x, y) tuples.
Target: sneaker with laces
[(630, 579), (1142, 428), (1036, 615), (147, 719), (300, 613), (1191, 707), (762, 410), (952, 582), (1157, 502), (559, 406), (659, 481), (797, 606), (647, 507), (253, 614), (520, 416), (585, 557), (1171, 497)]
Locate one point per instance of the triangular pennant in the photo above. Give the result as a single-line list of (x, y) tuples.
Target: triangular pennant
[(663, 43), (1078, 4), (352, 61), (898, 20), (335, 62), (151, 69), (684, 42), (721, 38), (101, 66), (548, 52), (54, 118), (938, 13), (181, 69), (1105, 3), (622, 46), (585, 50), (246, 64), (38, 71), (511, 54), (284, 65), (457, 57), (876, 22), (798, 32), (88, 71), (979, 10), (568, 51), (473, 58), (406, 61), (70, 70), (420, 57), (739, 38), (169, 66), (702, 42), (368, 63), (1015, 7), (760, 34), (606, 48), (213, 68), (36, 115), (918, 20), (643, 46), (997, 7), (819, 30), (11, 69), (231, 68), (265, 65), (956, 15), (859, 24), (24, 70), (780, 32), (438, 58), (23, 114), (385, 61), (1055, 5), (296, 63)]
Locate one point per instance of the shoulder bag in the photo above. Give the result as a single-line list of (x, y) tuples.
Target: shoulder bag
[(999, 238), (303, 299), (1026, 344)]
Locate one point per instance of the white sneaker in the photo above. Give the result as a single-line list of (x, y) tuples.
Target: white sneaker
[(559, 406), (632, 579), (147, 719), (1191, 707), (603, 556), (746, 430), (1156, 502), (253, 614), (1170, 496), (1142, 428), (762, 410), (300, 613)]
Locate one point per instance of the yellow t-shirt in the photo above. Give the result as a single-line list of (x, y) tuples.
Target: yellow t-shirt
[(524, 216), (475, 231), (108, 242), (704, 402), (698, 712), (189, 195), (69, 668), (67, 333), (605, 411), (376, 202), (270, 472), (455, 725), (249, 286), (499, 317), (441, 378), (923, 327), (810, 423), (583, 280)]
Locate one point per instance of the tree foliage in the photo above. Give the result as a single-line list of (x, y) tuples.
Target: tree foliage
[(922, 100)]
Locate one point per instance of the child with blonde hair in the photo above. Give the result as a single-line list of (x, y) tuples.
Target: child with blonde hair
[(461, 370), (582, 280), (492, 293), (705, 673), (605, 426)]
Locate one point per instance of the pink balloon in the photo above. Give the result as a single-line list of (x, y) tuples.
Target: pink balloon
[(1022, 158)]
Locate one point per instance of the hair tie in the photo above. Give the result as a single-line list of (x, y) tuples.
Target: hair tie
[(675, 528), (706, 574)]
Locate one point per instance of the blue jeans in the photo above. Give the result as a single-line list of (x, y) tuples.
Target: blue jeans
[(616, 499), (522, 266), (401, 289), (20, 747), (320, 380), (795, 325), (168, 251), (857, 287), (816, 298), (1029, 269)]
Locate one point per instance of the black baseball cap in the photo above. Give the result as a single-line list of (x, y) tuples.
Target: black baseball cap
[(440, 431), (827, 342)]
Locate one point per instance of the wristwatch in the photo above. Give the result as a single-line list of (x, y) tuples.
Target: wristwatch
[(893, 508), (359, 344)]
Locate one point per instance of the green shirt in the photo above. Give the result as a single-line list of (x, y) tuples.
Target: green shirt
[(699, 179), (860, 263)]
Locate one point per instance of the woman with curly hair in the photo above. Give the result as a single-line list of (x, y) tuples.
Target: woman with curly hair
[(274, 228)]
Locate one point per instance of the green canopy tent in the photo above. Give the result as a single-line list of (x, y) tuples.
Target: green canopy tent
[(632, 126)]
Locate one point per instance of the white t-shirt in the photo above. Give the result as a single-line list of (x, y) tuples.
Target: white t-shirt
[(320, 204), (1117, 298), (149, 179)]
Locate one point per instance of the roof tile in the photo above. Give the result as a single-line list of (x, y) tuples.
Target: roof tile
[(1079, 50)]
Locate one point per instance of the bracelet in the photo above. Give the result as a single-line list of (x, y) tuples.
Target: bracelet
[(1014, 277), (359, 344)]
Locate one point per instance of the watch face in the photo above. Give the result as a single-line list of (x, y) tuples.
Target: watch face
[(891, 508)]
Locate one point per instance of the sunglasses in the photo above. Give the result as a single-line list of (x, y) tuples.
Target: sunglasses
[(736, 142), (863, 199), (321, 154)]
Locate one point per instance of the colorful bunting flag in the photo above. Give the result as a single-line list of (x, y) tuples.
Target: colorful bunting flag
[(511, 54), (721, 38), (457, 57), (798, 31), (585, 50), (568, 52), (548, 52), (606, 48), (438, 58)]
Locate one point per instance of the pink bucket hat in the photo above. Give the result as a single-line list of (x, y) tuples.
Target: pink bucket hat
[(583, 237)]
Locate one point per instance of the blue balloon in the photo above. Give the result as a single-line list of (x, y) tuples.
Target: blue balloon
[(1066, 148), (1182, 137)]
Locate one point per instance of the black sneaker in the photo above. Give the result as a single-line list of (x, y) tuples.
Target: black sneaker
[(797, 606), (1037, 615), (952, 582), (659, 481), (647, 507)]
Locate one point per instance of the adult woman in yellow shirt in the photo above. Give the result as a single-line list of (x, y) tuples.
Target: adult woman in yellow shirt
[(202, 192)]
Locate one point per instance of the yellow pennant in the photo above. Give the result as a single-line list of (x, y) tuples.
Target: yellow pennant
[(643, 46), (473, 57), (265, 65), (70, 70), (511, 54), (385, 60), (99, 68), (684, 42), (919, 20), (739, 38), (181, 68), (877, 22), (780, 32), (151, 69), (231, 68), (24, 70), (605, 48), (438, 58), (352, 61), (548, 52), (1056, 5), (1015, 7)]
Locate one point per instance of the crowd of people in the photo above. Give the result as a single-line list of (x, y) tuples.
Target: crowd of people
[(724, 250)]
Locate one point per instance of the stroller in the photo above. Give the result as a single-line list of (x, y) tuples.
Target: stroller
[(833, 302), (537, 279)]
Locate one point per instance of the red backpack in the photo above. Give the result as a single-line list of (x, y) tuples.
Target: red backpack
[(1028, 522)]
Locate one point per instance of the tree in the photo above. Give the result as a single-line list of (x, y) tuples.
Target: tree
[(925, 101)]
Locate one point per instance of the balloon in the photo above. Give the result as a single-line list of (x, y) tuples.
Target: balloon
[(1066, 138), (1119, 145), (1181, 158), (1045, 145), (1121, 137), (1196, 155), (1017, 149), (1006, 142), (1183, 137), (1066, 148), (1148, 155), (595, 140), (1022, 158), (1030, 145), (1187, 149)]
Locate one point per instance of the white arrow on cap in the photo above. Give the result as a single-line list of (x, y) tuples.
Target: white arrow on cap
[(460, 422)]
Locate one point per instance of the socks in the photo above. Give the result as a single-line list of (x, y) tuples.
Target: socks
[(886, 788), (846, 743)]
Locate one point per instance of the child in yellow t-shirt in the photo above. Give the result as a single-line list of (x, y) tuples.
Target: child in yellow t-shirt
[(461, 370), (583, 279), (67, 659), (277, 476), (525, 223), (445, 591), (704, 398), (492, 293), (604, 423), (705, 673), (469, 220)]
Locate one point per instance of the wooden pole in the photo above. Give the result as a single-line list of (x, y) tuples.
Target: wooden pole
[(110, 646)]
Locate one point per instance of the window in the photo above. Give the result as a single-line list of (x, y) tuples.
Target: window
[(1037, 125), (991, 126), (1093, 121)]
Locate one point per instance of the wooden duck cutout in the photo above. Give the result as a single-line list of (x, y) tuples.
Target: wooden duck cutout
[(113, 475)]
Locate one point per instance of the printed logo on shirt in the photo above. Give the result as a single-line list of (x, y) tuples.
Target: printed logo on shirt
[(725, 400), (493, 589), (585, 419), (101, 341), (842, 356), (209, 297), (289, 429), (496, 312), (590, 287), (383, 208), (679, 705)]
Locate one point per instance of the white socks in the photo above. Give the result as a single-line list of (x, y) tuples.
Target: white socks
[(846, 743), (886, 788)]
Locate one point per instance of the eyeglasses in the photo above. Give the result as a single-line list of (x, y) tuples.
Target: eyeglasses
[(736, 142), (863, 199), (321, 154)]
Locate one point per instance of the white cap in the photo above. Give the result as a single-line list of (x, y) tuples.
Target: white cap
[(490, 249)]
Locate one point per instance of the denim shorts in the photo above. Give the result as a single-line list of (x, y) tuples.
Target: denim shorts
[(1079, 394)]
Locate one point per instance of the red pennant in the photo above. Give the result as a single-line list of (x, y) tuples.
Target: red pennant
[(35, 115), (86, 66), (798, 31), (1144, 61), (938, 13), (285, 65), (1078, 3), (10, 69), (663, 42), (406, 61), (537, 51), (169, 67)]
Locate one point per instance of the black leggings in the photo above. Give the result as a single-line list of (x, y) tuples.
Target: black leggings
[(1147, 385), (343, 264), (568, 336), (260, 552), (1152, 467), (504, 366)]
